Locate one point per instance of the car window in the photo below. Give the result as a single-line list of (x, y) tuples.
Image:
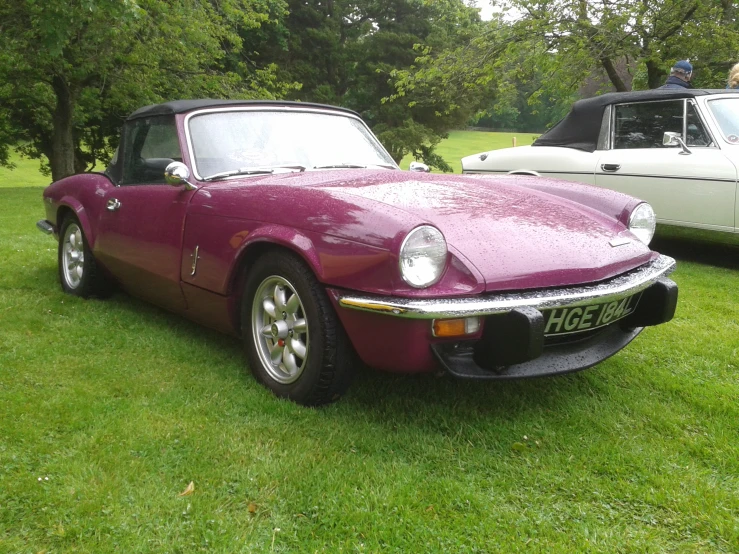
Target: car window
[(150, 145), (605, 130), (643, 125), (697, 135), (228, 140), (726, 112)]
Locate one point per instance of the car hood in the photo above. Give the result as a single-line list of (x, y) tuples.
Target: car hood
[(515, 237)]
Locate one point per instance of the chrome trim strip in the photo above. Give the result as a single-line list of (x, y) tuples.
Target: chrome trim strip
[(671, 177), (438, 308), (45, 227), (512, 173), (195, 259), (544, 173)]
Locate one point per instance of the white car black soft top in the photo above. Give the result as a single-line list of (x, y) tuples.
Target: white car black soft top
[(579, 129)]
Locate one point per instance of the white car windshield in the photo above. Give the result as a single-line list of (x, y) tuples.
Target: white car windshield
[(234, 142), (726, 112)]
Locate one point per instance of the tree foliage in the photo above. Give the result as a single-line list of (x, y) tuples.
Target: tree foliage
[(73, 69), (592, 35), (536, 56), (345, 52)]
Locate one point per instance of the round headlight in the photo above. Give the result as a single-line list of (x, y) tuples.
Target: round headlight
[(643, 222), (423, 256)]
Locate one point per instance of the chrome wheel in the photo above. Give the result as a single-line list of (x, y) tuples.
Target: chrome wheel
[(280, 329), (73, 256), (294, 341)]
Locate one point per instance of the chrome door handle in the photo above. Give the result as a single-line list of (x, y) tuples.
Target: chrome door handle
[(610, 167), (113, 204)]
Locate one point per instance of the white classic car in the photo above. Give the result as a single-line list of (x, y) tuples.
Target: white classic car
[(676, 149)]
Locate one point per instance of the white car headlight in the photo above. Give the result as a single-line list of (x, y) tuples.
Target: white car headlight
[(643, 222), (423, 256)]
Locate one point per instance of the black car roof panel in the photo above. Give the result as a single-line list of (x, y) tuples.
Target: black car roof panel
[(580, 128), (182, 106)]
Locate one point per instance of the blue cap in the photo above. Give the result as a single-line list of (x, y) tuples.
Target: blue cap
[(684, 66)]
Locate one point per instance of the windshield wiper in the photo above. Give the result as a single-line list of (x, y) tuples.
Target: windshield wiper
[(352, 166), (252, 171), (242, 171), (297, 167)]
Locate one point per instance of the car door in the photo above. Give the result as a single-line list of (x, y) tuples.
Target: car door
[(139, 237), (695, 189)]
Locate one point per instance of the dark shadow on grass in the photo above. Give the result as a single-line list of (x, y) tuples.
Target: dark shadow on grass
[(388, 395), (395, 399), (42, 278), (416, 399), (695, 245), (169, 322)]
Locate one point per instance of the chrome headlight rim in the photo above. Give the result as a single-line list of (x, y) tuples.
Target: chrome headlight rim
[(650, 216), (441, 266)]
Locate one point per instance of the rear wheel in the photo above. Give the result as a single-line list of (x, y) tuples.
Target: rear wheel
[(78, 272), (294, 342)]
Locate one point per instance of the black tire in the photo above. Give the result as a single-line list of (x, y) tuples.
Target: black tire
[(79, 274), (305, 323)]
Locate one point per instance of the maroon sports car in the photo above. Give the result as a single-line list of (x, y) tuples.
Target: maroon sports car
[(290, 226)]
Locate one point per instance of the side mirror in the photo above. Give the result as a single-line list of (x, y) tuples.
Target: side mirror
[(177, 174), (418, 166), (671, 138)]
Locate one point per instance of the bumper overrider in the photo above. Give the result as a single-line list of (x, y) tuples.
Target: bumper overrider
[(539, 332)]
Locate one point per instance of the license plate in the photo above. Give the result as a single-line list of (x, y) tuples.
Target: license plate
[(561, 321)]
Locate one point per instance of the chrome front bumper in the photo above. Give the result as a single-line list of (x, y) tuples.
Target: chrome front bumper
[(620, 286)]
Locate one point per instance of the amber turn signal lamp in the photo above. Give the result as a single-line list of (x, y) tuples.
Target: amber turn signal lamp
[(456, 327)]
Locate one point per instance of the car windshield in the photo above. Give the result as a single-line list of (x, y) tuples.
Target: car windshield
[(240, 142), (726, 112)]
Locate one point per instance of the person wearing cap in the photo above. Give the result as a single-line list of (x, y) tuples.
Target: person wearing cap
[(680, 75)]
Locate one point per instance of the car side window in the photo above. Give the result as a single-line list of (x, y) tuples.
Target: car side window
[(150, 145), (643, 125), (697, 135)]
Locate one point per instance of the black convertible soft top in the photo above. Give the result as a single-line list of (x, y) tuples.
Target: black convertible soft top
[(580, 128), (182, 106)]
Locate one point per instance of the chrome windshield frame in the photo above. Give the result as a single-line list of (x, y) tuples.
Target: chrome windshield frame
[(288, 109)]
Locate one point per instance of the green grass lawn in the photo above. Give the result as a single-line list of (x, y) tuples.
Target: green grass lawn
[(453, 149), (109, 409), (463, 143), (26, 174)]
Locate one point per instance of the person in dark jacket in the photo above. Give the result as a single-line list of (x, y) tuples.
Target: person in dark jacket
[(680, 75)]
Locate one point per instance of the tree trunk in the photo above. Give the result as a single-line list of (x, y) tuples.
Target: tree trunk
[(727, 7), (613, 75), (655, 75), (62, 145)]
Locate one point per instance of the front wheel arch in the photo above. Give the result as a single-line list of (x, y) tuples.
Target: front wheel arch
[(246, 259), (295, 343), (69, 206)]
